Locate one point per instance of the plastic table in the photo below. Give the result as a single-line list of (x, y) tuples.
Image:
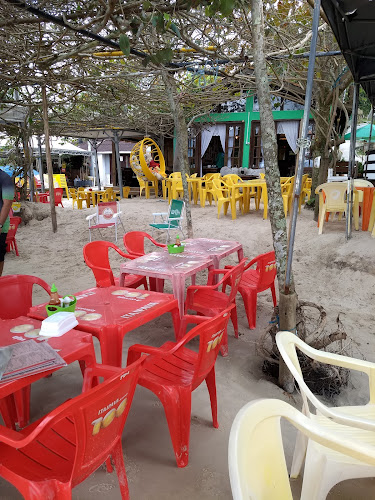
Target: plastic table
[(110, 313), (214, 249), (174, 267), (73, 346)]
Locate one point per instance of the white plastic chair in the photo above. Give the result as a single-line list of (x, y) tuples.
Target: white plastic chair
[(256, 460), (107, 215), (354, 422)]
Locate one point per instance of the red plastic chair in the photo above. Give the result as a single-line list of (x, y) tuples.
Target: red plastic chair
[(16, 294), (176, 371), (58, 196), (10, 241), (255, 281), (134, 242), (208, 300), (53, 455), (16, 299), (97, 258)]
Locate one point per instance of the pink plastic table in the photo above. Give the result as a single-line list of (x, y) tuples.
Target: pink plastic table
[(214, 249), (175, 267), (110, 313), (73, 346)]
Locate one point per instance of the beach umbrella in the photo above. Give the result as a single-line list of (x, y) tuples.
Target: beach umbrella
[(363, 132), (10, 171)]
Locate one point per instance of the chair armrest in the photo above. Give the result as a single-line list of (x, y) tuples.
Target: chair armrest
[(90, 217), (160, 213), (117, 214)]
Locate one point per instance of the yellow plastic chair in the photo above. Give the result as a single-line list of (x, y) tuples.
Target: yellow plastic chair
[(351, 422), (257, 466), (147, 186), (333, 199), (125, 191), (225, 197), (206, 190), (78, 197), (287, 194), (175, 187), (305, 191), (73, 194), (235, 180)]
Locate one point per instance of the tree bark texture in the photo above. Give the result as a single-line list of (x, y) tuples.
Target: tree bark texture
[(269, 141), (181, 143), (287, 321), (49, 161)]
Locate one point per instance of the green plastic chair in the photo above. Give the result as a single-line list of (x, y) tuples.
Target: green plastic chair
[(170, 220)]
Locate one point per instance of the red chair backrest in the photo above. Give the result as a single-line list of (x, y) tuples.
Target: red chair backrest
[(106, 211), (211, 334), (14, 222), (134, 242), (96, 418), (97, 258), (16, 294), (266, 267), (232, 278), (58, 195)]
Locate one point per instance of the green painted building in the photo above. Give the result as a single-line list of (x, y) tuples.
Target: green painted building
[(231, 136)]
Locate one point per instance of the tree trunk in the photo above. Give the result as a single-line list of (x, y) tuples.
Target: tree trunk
[(269, 141), (181, 143), (49, 161), (275, 201)]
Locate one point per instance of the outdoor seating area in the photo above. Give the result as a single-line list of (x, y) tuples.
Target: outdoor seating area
[(187, 230), (124, 290)]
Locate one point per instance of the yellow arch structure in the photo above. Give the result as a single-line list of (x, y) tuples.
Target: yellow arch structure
[(140, 156)]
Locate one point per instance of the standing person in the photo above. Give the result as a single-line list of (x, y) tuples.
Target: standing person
[(6, 199)]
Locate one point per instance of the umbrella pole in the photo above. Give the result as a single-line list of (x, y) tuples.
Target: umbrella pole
[(353, 137), (369, 141)]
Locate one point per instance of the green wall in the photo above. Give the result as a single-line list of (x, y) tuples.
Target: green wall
[(247, 117)]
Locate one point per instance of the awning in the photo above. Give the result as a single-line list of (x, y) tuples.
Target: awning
[(353, 24)]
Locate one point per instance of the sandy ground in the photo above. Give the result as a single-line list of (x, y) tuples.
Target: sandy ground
[(336, 274)]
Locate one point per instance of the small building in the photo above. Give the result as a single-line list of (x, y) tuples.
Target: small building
[(231, 136)]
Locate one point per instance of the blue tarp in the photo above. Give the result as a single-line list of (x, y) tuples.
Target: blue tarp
[(10, 171)]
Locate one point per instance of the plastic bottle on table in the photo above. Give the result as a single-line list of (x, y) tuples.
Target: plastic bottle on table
[(178, 242), (55, 298)]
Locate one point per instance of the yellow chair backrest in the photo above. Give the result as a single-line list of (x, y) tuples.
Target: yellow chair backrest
[(334, 195), (362, 183), (73, 193), (232, 179), (287, 187)]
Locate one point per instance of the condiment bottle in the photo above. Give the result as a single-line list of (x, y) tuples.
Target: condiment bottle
[(55, 299), (178, 242)]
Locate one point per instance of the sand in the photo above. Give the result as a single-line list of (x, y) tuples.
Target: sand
[(328, 270)]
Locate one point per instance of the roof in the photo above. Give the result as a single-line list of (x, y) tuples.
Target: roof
[(59, 146), (105, 146), (353, 24)]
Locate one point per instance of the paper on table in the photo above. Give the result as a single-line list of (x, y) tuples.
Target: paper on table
[(31, 357), (5, 355)]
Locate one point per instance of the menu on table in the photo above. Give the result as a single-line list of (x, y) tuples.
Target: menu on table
[(27, 358)]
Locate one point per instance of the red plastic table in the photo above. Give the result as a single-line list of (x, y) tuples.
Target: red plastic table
[(214, 249), (73, 346), (110, 313), (368, 196), (175, 267)]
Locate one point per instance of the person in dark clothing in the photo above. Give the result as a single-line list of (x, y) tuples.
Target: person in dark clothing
[(6, 199)]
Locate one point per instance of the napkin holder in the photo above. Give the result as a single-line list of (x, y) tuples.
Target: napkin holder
[(68, 307), (58, 324)]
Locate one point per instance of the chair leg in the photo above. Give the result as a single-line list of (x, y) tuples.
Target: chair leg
[(298, 455), (250, 298), (118, 459), (233, 316), (211, 386), (273, 292), (177, 407)]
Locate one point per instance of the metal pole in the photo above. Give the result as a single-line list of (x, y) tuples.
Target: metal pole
[(369, 140), (353, 137), (303, 143), (117, 150), (40, 164)]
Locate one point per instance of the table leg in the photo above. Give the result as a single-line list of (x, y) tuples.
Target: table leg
[(111, 346), (176, 322), (265, 201), (178, 285), (240, 254)]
